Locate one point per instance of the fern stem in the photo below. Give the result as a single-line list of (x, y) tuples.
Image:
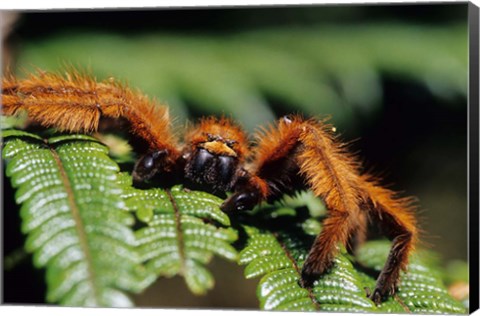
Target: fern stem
[(178, 225), (79, 226), (297, 269)]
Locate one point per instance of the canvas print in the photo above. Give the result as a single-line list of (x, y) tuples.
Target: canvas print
[(295, 158)]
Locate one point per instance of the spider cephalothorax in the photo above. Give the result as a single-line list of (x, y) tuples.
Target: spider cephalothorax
[(212, 154), (293, 154), (215, 149)]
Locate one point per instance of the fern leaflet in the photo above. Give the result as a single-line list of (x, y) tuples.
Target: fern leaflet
[(421, 289), (181, 233), (277, 245), (76, 223)]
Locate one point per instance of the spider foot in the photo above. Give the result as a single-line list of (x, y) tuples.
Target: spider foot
[(380, 293), (307, 281), (311, 272)]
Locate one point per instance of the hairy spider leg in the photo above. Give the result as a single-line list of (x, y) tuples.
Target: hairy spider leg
[(296, 154), (359, 234), (77, 103), (333, 174), (396, 217), (274, 170), (309, 150)]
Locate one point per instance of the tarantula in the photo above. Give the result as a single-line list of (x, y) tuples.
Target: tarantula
[(293, 154)]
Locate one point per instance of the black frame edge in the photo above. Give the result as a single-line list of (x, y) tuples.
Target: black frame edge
[(473, 17)]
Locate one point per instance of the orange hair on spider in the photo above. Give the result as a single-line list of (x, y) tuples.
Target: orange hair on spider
[(76, 102), (335, 175), (400, 209), (223, 128), (274, 142), (319, 160), (331, 170)]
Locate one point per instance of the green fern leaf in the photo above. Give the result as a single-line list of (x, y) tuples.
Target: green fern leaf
[(421, 289), (77, 225), (182, 232), (277, 245), (319, 69)]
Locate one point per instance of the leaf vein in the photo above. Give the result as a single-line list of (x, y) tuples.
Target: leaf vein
[(79, 226)]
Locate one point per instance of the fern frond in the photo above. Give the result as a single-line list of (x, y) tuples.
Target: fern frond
[(421, 289), (277, 245), (77, 225), (296, 66), (184, 230)]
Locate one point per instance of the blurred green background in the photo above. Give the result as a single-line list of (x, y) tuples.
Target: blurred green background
[(392, 78)]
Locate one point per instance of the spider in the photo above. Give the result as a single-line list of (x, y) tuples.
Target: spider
[(293, 154)]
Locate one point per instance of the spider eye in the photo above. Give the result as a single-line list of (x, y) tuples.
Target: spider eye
[(230, 143), (210, 137)]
